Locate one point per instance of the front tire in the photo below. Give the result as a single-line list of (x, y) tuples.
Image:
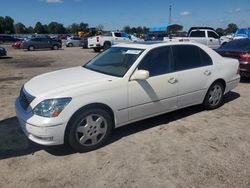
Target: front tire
[(89, 129), (70, 45), (214, 96), (97, 49), (55, 47)]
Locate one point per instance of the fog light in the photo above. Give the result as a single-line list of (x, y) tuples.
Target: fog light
[(43, 138)]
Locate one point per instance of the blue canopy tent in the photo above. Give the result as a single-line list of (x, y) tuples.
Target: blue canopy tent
[(158, 29)]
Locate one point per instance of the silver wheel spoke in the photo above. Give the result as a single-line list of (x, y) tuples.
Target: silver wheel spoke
[(99, 121), (83, 139), (89, 120), (102, 130), (80, 129), (94, 139)]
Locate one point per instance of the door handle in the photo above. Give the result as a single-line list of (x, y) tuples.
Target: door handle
[(172, 80), (207, 72)]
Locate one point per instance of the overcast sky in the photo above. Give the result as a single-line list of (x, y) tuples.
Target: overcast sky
[(114, 14)]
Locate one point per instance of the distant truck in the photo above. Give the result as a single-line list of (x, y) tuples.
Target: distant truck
[(106, 40), (203, 35)]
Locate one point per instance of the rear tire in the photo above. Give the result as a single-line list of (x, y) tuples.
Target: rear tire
[(31, 48), (70, 45), (106, 45), (214, 96), (89, 129)]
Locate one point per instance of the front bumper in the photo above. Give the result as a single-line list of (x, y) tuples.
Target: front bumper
[(44, 131)]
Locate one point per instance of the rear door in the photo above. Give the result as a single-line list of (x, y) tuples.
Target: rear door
[(193, 68)]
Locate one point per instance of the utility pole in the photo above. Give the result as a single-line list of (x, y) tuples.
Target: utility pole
[(170, 12)]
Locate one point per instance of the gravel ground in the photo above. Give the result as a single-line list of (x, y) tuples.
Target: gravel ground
[(186, 148)]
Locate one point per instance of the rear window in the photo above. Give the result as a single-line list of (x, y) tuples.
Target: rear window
[(189, 56), (240, 44), (197, 34)]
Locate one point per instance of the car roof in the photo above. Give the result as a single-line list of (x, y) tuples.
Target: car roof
[(152, 44)]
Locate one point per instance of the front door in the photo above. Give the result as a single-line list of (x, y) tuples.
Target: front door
[(158, 93)]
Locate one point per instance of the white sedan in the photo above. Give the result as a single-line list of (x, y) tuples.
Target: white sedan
[(124, 84)]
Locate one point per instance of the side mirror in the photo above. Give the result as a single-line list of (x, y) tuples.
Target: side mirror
[(140, 75)]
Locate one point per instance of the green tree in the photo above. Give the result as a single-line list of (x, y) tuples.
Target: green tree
[(30, 30), (220, 31), (56, 28), (40, 29), (100, 27), (231, 28), (20, 28), (9, 25), (126, 29), (2, 25), (83, 27)]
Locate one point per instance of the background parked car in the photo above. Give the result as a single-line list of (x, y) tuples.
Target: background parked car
[(3, 52), (40, 43), (73, 41), (84, 43), (8, 38), (239, 49), (17, 44)]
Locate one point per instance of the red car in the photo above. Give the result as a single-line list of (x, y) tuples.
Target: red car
[(17, 44), (239, 49)]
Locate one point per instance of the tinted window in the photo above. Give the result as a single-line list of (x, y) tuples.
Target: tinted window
[(188, 56), (125, 35), (205, 58), (240, 44), (118, 35), (157, 61), (36, 39), (197, 34), (212, 35)]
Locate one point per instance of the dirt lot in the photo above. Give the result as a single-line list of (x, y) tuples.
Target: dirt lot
[(187, 148)]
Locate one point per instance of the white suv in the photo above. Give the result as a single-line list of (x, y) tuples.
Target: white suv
[(124, 84)]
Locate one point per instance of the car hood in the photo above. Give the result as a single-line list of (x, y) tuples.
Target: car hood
[(55, 83)]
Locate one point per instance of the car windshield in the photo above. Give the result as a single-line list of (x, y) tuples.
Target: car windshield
[(240, 44), (115, 61)]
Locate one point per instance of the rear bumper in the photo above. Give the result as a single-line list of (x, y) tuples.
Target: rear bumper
[(232, 84), (245, 69), (94, 46)]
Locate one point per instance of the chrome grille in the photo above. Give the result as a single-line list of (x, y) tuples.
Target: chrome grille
[(25, 98)]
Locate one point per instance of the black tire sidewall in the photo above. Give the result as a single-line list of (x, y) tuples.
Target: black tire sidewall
[(31, 49), (206, 103), (106, 46), (73, 125)]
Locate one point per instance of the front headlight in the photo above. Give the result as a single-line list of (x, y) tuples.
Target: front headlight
[(51, 107)]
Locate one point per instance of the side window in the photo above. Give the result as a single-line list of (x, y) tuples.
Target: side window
[(186, 57), (125, 35), (157, 61), (206, 59), (212, 35), (36, 39), (117, 34), (197, 34)]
